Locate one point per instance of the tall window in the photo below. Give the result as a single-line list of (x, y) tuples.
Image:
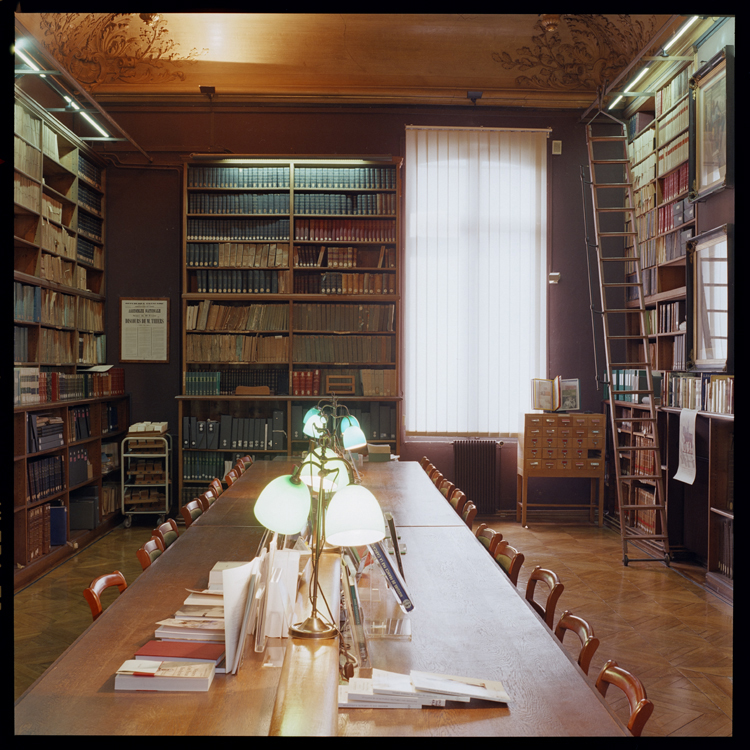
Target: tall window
[(475, 278)]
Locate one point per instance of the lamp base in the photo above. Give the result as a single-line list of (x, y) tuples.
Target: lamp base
[(313, 627)]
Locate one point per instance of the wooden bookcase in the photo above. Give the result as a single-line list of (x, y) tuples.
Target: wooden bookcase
[(291, 281), (58, 317), (700, 516)]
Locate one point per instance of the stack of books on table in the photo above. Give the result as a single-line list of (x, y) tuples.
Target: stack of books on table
[(416, 690)]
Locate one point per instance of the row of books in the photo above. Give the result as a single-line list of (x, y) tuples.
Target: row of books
[(674, 123), (646, 225), (225, 382), (649, 282), (675, 183), (237, 255), (357, 178), (49, 142), (671, 316), (644, 171), (712, 392), (349, 204), (54, 268), (238, 203), (236, 281), (89, 171), (647, 519), (210, 316), (640, 147), (230, 348), (21, 344), (26, 158), (225, 230), (46, 476), (645, 198), (90, 199), (57, 347), (27, 303), (57, 239), (44, 431), (724, 530), (91, 226), (673, 154), (110, 419), (367, 382), (52, 209), (26, 125), (92, 348), (312, 256), (88, 252), (33, 387), (59, 309), (345, 230), (344, 349), (90, 314), (679, 353), (203, 466), (237, 177), (79, 427), (673, 245), (669, 95), (344, 317), (38, 532), (25, 192), (357, 283), (630, 379), (644, 461), (674, 215), (234, 433), (79, 467)]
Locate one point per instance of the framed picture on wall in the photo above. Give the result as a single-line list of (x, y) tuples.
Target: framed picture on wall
[(710, 301), (712, 126)]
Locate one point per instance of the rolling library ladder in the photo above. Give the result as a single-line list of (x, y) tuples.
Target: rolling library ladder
[(625, 333)]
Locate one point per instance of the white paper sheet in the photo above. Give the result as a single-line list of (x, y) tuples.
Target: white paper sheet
[(686, 470), (235, 584)]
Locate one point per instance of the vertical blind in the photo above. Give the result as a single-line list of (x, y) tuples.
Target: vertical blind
[(475, 278)]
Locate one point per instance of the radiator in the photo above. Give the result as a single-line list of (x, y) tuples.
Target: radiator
[(475, 472)]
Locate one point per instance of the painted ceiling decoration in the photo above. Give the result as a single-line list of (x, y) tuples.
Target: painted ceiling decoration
[(101, 48), (151, 59), (601, 47)]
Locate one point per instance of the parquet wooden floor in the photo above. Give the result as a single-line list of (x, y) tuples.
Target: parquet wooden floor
[(653, 620)]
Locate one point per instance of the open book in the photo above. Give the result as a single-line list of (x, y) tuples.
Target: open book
[(556, 395)]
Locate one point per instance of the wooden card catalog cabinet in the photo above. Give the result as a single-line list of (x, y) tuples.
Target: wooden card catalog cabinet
[(561, 445)]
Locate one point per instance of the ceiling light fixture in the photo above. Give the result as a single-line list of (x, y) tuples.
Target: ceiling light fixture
[(550, 21)]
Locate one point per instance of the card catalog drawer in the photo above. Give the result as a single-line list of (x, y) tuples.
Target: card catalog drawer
[(564, 464), (595, 443), (596, 464), (571, 453)]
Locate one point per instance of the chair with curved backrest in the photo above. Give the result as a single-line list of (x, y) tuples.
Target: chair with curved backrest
[(247, 461), (555, 590), (191, 511), (509, 559), (209, 496), (468, 513), (458, 500), (447, 488), (488, 537), (232, 476), (585, 633), (424, 461), (436, 476), (203, 500), (216, 485), (93, 593), (166, 532), (239, 467), (429, 467), (150, 551), (640, 706)]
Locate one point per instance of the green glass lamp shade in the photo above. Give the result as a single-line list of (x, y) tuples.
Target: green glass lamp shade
[(354, 438), (354, 518), (310, 468), (348, 421), (315, 425), (283, 506)]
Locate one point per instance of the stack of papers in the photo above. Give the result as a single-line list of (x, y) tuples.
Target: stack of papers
[(416, 690)]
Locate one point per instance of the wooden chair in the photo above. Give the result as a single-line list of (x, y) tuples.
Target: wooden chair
[(458, 500), (166, 532), (191, 511), (488, 537), (247, 461), (585, 633), (641, 707), (555, 590), (232, 476), (216, 485), (468, 513), (209, 496), (150, 551), (436, 476), (424, 461), (93, 593), (203, 500), (239, 467), (509, 559), (447, 488)]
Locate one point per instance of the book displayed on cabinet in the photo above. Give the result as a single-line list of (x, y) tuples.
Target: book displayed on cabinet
[(69, 407), (556, 395), (267, 243)]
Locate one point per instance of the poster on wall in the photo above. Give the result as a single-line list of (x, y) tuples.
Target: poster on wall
[(144, 329), (686, 469)]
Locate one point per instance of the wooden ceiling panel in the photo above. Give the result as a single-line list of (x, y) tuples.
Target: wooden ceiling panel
[(350, 58)]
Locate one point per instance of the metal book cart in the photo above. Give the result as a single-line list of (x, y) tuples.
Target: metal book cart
[(145, 472)]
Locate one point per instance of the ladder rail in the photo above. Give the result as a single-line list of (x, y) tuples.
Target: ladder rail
[(632, 268)]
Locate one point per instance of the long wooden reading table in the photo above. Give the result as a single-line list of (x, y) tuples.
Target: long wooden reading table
[(468, 619)]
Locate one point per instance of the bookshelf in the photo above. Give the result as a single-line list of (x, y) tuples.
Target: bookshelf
[(700, 516), (67, 420), (290, 292)]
